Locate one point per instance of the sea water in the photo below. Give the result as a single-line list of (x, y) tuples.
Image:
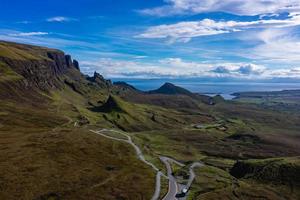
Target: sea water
[(213, 88)]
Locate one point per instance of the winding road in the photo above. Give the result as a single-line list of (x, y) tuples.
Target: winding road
[(140, 156), (174, 186), (192, 173)]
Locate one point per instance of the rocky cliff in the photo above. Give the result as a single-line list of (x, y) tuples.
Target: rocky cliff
[(28, 72), (35, 66)]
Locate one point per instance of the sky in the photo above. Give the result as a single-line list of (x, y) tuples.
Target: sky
[(244, 39)]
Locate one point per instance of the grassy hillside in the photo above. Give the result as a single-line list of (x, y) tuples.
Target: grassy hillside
[(286, 100), (47, 150), (70, 164), (7, 74), (276, 171), (23, 52), (214, 183), (52, 158)]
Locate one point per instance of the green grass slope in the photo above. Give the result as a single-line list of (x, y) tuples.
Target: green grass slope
[(47, 150), (277, 171), (17, 51)]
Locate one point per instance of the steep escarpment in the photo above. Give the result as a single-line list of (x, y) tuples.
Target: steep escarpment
[(30, 73), (36, 67)]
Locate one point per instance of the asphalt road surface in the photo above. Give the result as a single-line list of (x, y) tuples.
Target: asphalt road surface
[(140, 156), (174, 187)]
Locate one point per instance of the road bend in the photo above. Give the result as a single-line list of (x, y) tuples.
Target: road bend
[(140, 155)]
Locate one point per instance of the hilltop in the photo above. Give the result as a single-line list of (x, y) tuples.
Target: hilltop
[(171, 89)]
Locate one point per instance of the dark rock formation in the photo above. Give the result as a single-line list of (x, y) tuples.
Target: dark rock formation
[(112, 104), (99, 80), (76, 65), (69, 61)]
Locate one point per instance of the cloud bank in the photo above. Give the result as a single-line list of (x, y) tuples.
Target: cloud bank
[(178, 68), (185, 31), (237, 7)]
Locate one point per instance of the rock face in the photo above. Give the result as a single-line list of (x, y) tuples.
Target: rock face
[(99, 80), (76, 65), (29, 72), (39, 67)]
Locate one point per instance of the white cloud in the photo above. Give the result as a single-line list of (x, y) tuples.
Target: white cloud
[(240, 70), (238, 7), (52, 40), (185, 31), (286, 73), (140, 57), (274, 46), (26, 34), (60, 19), (176, 67), (165, 67)]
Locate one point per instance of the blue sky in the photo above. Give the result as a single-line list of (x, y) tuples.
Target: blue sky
[(250, 39)]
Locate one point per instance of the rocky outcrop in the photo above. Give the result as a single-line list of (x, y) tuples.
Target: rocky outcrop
[(99, 80), (76, 64), (113, 104)]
